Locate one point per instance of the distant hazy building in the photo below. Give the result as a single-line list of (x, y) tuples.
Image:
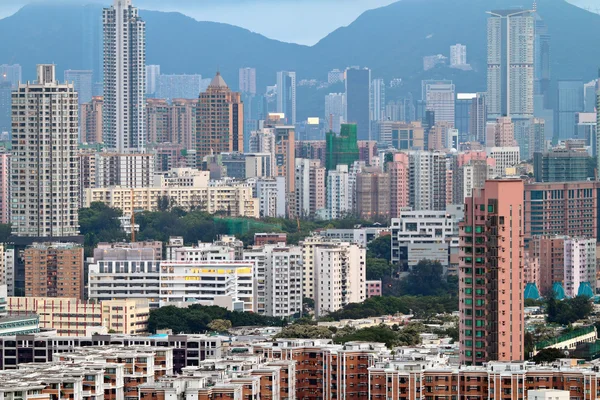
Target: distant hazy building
[(462, 115), (458, 55), (542, 45), (90, 127), (570, 102), (5, 107), (247, 80), (152, 74), (358, 100), (439, 97), (124, 111), (286, 95), (45, 203), (430, 62), (178, 86), (82, 80), (562, 165), (335, 76), (377, 99), (478, 118), (219, 120), (335, 111), (11, 74)]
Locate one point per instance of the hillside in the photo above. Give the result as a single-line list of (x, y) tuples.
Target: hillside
[(391, 40)]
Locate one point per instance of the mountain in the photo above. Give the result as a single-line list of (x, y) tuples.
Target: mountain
[(391, 40)]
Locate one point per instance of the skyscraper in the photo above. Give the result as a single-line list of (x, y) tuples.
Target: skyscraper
[(542, 60), (45, 188), (124, 78), (439, 97), (11, 73), (510, 37), (220, 120), (462, 115), (490, 274), (570, 102), (377, 99), (335, 111), (248, 80), (458, 55), (178, 86), (286, 95), (358, 100), (82, 80), (478, 118), (342, 149), (152, 75)]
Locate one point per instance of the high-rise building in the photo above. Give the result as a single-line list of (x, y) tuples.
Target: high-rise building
[(90, 127), (377, 100), (510, 42), (427, 180), (5, 107), (335, 111), (4, 194), (562, 208), (309, 188), (478, 120), (342, 149), (124, 111), (439, 97), (82, 81), (11, 74), (562, 165), (502, 132), (358, 100), (504, 157), (45, 189), (539, 135), (399, 170), (490, 274), (458, 55), (373, 194), (589, 94), (400, 135), (248, 80), (335, 76), (570, 102), (152, 75), (541, 69), (462, 115), (338, 193), (219, 120), (286, 95), (171, 87), (54, 270)]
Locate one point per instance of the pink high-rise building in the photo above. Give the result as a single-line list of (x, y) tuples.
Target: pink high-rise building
[(399, 169), (5, 187), (491, 274), (467, 156), (501, 133)]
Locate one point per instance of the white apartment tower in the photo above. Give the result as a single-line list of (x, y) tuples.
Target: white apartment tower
[(458, 55), (45, 165), (510, 42), (439, 97), (286, 95), (377, 100), (338, 193), (124, 78)]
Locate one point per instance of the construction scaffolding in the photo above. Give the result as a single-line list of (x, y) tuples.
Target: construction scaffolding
[(342, 149)]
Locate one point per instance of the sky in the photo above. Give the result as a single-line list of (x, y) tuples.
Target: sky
[(295, 21)]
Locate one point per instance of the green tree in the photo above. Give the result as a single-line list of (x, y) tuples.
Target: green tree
[(297, 331), (568, 311), (100, 223), (427, 279), (378, 268), (219, 325), (380, 248), (548, 355)]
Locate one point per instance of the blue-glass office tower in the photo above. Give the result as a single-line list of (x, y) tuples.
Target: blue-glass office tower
[(358, 100)]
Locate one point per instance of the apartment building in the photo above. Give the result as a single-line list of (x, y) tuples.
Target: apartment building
[(73, 317), (54, 270)]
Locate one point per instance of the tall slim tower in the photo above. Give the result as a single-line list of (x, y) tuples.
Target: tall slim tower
[(542, 59), (219, 120), (124, 78), (286, 95), (248, 80), (491, 274), (358, 100), (45, 166), (377, 99)]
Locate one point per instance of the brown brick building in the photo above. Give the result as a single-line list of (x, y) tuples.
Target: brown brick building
[(54, 270)]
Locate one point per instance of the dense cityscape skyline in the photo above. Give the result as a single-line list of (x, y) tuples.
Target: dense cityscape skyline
[(185, 236)]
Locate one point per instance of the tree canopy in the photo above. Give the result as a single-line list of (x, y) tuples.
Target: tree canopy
[(427, 279), (380, 248), (198, 319), (567, 311)]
